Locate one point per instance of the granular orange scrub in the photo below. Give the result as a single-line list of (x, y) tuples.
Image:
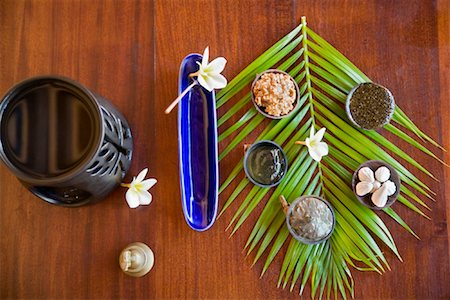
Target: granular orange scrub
[(276, 93)]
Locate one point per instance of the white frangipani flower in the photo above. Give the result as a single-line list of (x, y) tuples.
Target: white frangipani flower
[(137, 193), (208, 76), (377, 183), (316, 147)]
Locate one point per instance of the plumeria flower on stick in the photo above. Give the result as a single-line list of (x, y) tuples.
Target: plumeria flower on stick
[(137, 193), (316, 147), (208, 76)]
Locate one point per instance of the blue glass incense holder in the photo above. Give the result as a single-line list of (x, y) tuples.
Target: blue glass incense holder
[(197, 145)]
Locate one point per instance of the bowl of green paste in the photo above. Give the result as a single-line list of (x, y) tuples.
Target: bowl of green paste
[(265, 163)]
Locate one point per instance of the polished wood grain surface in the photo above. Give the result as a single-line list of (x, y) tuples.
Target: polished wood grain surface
[(129, 52)]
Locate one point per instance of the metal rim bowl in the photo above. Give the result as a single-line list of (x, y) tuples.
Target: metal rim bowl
[(348, 100), (85, 96), (374, 165), (300, 238), (252, 148), (261, 110)]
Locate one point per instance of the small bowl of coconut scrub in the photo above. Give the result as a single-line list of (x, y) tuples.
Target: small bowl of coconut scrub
[(310, 219)]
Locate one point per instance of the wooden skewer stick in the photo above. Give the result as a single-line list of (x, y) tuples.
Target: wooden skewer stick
[(300, 143), (284, 204), (175, 102)]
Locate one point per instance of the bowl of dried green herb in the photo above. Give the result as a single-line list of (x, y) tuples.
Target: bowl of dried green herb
[(370, 106)]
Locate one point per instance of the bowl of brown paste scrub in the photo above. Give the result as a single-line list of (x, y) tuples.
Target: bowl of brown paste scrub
[(310, 219), (370, 106), (275, 94)]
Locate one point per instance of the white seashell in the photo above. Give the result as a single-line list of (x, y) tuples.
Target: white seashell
[(366, 174), (382, 174), (390, 187), (363, 188), (376, 186), (380, 197)]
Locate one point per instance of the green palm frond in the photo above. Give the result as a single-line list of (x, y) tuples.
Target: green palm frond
[(325, 77)]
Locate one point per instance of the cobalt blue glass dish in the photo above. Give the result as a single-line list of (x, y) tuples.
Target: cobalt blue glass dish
[(197, 146)]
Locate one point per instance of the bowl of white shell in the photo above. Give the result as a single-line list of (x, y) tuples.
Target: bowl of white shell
[(376, 184)]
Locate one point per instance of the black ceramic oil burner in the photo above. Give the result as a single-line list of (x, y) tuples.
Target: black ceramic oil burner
[(66, 144)]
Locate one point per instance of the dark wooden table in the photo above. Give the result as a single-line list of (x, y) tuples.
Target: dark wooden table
[(129, 52)]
